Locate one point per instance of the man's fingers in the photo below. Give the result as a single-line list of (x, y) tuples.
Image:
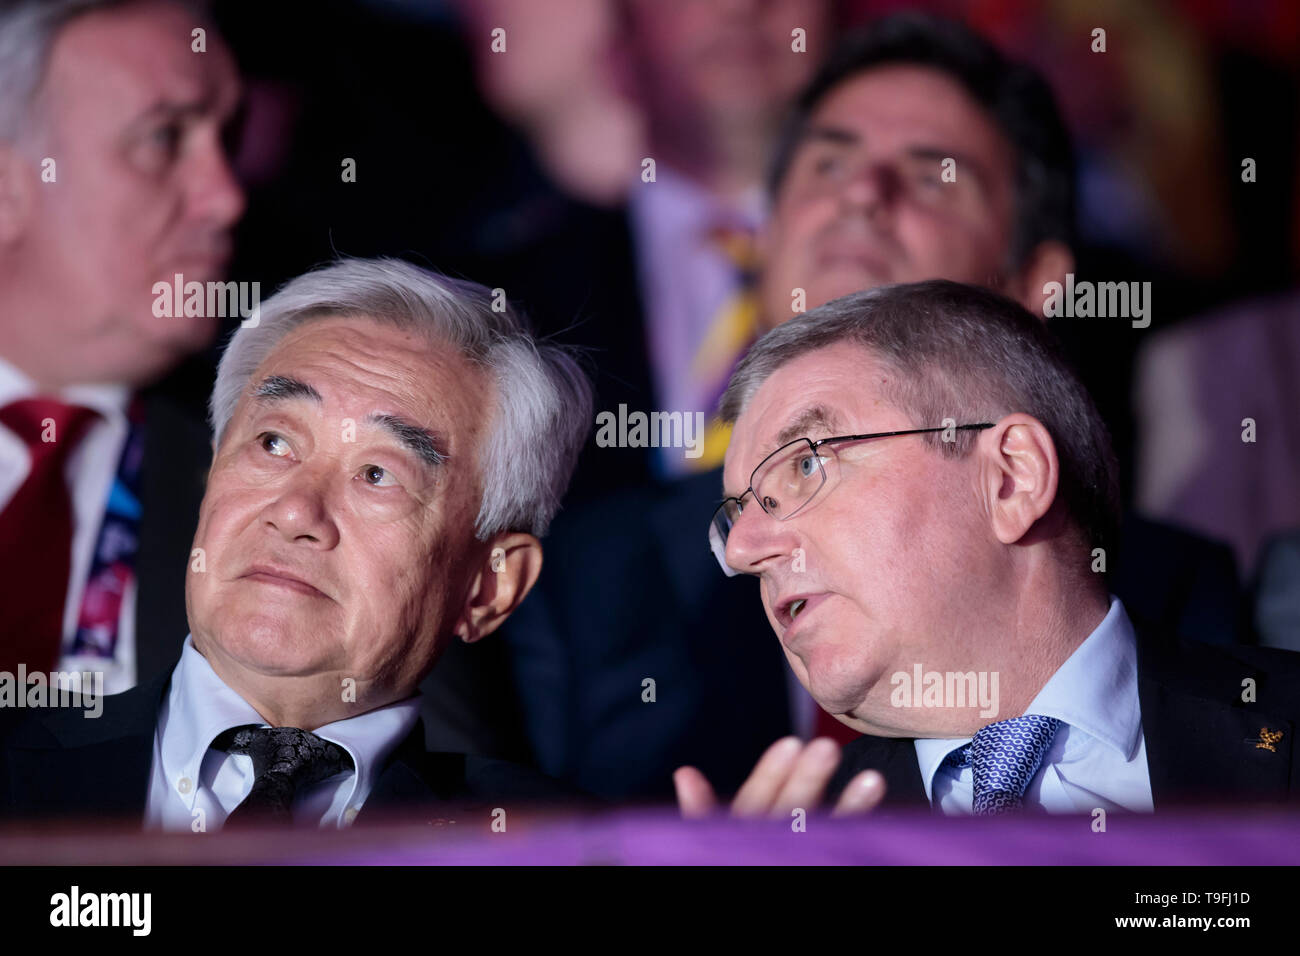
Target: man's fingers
[(862, 795), (808, 778), (788, 775), (695, 796), (757, 794)]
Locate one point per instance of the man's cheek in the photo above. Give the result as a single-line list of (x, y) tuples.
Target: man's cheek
[(220, 520), (946, 250)]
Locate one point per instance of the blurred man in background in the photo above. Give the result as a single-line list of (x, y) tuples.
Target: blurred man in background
[(114, 176), (1216, 401), (655, 277)]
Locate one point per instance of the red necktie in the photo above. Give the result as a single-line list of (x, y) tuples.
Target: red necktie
[(36, 534), (828, 726)]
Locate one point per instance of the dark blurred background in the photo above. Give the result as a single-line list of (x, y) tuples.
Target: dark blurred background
[(470, 182)]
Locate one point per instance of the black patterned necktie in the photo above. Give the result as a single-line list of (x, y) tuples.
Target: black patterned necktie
[(285, 761)]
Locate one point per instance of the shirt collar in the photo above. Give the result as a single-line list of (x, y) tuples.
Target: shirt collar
[(1094, 692), (201, 706), (109, 400), (675, 209)]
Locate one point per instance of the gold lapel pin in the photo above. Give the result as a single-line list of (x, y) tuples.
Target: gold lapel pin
[(1267, 738)]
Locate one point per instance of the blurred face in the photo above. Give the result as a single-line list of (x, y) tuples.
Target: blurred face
[(135, 120), (333, 545), (864, 201), (890, 556), (727, 58)]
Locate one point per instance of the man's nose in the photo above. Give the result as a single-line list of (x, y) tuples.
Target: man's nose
[(757, 539), (302, 512), (215, 195), (871, 188)]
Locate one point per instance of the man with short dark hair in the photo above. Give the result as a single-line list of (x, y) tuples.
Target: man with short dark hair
[(919, 481), (918, 152)]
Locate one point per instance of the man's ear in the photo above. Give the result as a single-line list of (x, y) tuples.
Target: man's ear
[(1019, 475), (508, 572), (18, 181), (1049, 262)]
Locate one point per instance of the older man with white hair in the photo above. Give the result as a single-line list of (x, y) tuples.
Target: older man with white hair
[(388, 447)]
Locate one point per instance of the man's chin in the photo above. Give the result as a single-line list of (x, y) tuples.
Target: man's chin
[(836, 688), (273, 647), (838, 283), (187, 335)]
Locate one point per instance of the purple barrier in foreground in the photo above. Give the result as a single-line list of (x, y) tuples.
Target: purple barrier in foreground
[(654, 837)]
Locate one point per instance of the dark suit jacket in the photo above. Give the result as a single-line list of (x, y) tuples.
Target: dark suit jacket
[(59, 763), (631, 590), (1201, 737), (173, 475)]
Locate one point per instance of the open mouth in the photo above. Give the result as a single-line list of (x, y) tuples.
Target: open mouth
[(796, 607)]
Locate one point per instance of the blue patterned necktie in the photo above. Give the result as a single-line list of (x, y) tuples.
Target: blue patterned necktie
[(1003, 758), (285, 761)]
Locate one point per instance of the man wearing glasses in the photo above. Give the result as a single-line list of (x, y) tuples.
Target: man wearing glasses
[(858, 201), (921, 486)]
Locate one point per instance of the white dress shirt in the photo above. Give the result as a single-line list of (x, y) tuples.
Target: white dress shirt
[(90, 471), (1098, 757), (193, 787)]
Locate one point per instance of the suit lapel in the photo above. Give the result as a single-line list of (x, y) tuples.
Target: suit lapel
[(67, 764), (412, 777), (894, 757), (172, 477), (1202, 740)]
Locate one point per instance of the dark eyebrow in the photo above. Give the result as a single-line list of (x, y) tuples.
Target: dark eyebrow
[(171, 110), (816, 418), (210, 102), (837, 135), (279, 388), (428, 446)]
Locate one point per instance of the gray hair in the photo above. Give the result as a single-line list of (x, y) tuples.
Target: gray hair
[(28, 29), (963, 352), (544, 401)]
